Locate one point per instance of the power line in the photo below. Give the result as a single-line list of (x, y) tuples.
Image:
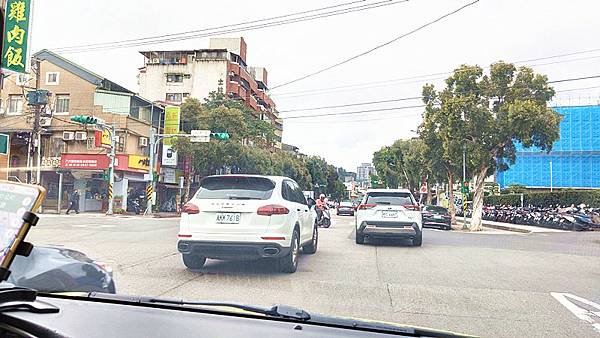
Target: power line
[(376, 47), (353, 104), (420, 77), (352, 112), (209, 28), (576, 79), (246, 28)]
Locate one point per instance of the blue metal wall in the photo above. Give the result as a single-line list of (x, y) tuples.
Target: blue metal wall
[(575, 157)]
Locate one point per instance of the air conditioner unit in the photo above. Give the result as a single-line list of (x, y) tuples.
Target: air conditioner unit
[(45, 121), (68, 136), (154, 60), (143, 141), (80, 136)]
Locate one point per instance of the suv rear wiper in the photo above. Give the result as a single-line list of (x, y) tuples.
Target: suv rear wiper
[(281, 311), (243, 198)]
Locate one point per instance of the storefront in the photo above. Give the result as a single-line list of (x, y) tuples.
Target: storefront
[(87, 173), (169, 189)]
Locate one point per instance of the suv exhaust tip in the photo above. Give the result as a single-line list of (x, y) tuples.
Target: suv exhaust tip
[(270, 251)]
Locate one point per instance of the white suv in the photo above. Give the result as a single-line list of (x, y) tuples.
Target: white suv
[(389, 213), (247, 217)]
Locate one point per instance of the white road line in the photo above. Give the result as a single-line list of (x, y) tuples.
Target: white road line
[(583, 314)]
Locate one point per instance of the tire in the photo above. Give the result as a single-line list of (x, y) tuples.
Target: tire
[(289, 262), (311, 247), (448, 227), (418, 241), (193, 262), (326, 223), (360, 238)]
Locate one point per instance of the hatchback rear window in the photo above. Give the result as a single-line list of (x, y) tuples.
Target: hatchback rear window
[(236, 188), (391, 198)]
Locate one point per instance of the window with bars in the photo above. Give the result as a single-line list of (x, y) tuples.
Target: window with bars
[(15, 104), (62, 104), (174, 97)]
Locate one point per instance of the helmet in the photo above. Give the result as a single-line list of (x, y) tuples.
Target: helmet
[(322, 196)]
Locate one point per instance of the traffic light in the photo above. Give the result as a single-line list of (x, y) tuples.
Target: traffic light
[(465, 187), (84, 119), (220, 136)]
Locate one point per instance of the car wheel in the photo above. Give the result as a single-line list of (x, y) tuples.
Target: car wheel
[(311, 248), (193, 262), (448, 227), (418, 240), (360, 238), (289, 263), (326, 223)]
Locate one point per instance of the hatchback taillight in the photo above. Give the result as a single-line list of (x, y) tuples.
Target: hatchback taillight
[(366, 206), (414, 207), (190, 208), (272, 209)]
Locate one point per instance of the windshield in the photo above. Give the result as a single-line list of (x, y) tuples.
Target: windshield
[(184, 145), (391, 198), (235, 187), (436, 209)]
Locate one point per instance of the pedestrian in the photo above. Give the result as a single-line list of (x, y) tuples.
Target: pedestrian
[(73, 202)]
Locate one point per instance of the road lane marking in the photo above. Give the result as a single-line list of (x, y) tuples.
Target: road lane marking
[(581, 313)]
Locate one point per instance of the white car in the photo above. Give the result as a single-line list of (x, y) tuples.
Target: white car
[(389, 213), (247, 217)]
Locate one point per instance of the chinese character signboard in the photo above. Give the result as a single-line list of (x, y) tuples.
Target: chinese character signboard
[(102, 139), (139, 162), (169, 156), (15, 42), (84, 161)]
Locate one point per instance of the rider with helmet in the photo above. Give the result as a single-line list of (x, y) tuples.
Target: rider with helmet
[(321, 205)]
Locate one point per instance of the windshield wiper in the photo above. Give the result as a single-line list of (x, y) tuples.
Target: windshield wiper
[(281, 311), (243, 198)]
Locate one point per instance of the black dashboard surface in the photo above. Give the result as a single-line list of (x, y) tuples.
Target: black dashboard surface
[(80, 318)]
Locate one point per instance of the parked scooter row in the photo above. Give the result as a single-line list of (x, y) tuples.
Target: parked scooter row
[(575, 218)]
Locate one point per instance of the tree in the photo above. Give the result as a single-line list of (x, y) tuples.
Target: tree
[(402, 164), (487, 114)]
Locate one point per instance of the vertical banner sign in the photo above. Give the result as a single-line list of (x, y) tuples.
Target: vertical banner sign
[(15, 40), (169, 156)]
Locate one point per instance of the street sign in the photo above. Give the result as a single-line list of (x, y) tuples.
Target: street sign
[(423, 189), (200, 136), (4, 144), (15, 42)]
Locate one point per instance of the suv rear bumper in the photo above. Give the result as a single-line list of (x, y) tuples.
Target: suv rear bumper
[(232, 250), (389, 229)]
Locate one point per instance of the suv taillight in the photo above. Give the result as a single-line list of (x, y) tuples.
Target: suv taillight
[(366, 206), (272, 209), (190, 208), (414, 207)]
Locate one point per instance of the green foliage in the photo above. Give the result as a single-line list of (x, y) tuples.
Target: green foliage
[(221, 115), (486, 114), (545, 199), (402, 164), (514, 189)]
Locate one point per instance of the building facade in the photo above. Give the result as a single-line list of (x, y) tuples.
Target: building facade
[(172, 76), (574, 161), (363, 172), (74, 156)]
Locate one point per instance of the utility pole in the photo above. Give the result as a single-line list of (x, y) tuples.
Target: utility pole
[(150, 184), (464, 192), (111, 169)]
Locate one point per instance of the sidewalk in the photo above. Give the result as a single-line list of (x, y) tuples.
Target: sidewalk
[(514, 227)]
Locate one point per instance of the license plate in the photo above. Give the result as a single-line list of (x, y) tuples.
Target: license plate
[(228, 217), (437, 217), (389, 214)]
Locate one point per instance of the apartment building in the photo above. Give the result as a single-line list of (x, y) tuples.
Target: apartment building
[(172, 76), (72, 156), (363, 172)]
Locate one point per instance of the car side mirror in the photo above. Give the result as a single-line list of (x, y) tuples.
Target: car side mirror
[(311, 202)]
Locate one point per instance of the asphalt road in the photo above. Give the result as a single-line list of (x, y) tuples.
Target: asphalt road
[(492, 283)]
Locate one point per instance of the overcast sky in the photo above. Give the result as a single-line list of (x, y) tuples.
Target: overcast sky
[(509, 30)]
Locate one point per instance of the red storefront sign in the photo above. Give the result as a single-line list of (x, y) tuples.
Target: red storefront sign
[(84, 161)]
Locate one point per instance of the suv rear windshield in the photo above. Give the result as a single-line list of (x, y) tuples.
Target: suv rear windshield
[(235, 187), (433, 208), (392, 198)]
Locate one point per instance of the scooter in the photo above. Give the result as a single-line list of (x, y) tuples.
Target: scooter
[(325, 220)]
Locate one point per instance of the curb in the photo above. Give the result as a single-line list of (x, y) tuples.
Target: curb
[(505, 227), (166, 215)]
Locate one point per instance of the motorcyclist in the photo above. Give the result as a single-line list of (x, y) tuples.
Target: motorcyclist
[(321, 205)]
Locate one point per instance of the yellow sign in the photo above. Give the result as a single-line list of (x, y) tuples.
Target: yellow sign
[(105, 140), (171, 122), (138, 162)]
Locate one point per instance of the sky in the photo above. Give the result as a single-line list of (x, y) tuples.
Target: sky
[(488, 31)]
